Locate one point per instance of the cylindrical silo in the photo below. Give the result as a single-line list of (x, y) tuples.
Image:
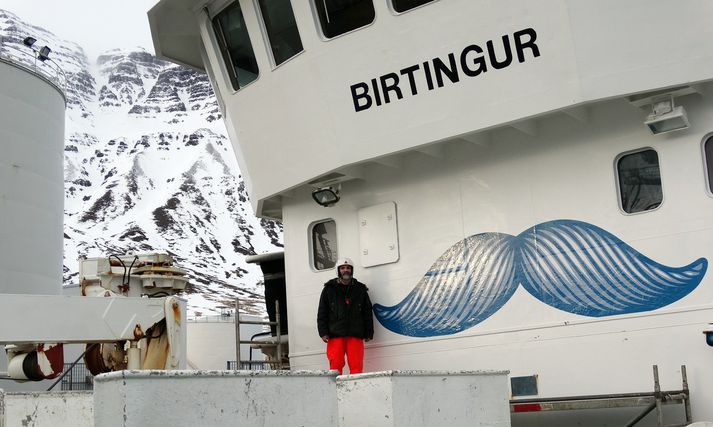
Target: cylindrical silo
[(31, 180)]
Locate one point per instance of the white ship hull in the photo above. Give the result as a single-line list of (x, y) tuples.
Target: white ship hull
[(507, 244), (516, 181)]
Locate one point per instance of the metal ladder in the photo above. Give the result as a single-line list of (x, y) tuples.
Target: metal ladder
[(278, 365), (650, 400)]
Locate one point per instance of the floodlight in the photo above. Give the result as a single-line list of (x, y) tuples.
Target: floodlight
[(665, 117), (44, 53), (29, 41), (326, 196)]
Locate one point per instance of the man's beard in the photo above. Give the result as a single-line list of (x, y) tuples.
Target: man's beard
[(345, 276)]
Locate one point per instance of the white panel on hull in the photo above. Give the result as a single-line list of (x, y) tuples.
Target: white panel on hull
[(378, 235)]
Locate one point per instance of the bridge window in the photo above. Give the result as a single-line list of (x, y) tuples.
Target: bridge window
[(341, 16), (639, 180), (235, 46), (404, 5), (281, 29), (324, 244), (708, 152)]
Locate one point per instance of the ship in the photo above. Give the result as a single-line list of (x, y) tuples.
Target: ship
[(523, 186), (526, 189)]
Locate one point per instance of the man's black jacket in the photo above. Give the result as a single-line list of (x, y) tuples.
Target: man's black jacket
[(345, 310)]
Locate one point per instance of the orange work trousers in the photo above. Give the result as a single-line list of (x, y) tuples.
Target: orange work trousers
[(353, 347)]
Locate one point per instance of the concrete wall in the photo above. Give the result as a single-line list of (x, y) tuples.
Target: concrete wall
[(56, 409), (215, 398), (418, 398), (269, 398)]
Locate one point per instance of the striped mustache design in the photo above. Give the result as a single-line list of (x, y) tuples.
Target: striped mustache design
[(570, 265)]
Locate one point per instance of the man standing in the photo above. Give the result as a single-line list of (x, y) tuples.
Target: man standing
[(344, 319)]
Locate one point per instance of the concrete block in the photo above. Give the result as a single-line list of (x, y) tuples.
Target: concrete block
[(215, 398), (46, 409), (423, 398)]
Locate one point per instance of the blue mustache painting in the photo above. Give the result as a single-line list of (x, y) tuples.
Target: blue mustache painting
[(570, 265)]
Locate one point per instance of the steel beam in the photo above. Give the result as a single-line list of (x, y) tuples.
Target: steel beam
[(32, 319), (595, 402)]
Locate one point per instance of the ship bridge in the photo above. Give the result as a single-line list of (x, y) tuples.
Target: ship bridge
[(312, 91), (523, 185)]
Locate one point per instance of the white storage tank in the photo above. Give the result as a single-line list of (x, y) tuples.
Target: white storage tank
[(32, 108)]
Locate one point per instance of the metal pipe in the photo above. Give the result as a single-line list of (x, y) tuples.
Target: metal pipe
[(657, 390), (671, 396), (279, 334), (591, 397), (237, 333), (252, 339), (687, 402), (133, 356), (641, 415), (257, 322)]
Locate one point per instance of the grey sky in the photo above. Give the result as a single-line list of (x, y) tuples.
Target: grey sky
[(96, 25)]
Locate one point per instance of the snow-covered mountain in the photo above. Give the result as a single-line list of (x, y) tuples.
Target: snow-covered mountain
[(148, 167)]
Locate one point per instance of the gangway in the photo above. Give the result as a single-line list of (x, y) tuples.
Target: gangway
[(649, 400)]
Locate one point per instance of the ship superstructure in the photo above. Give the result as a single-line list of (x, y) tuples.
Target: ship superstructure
[(526, 186)]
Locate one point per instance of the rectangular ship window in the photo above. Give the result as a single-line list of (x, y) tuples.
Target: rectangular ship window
[(324, 244), (341, 16), (639, 181), (708, 151), (281, 29), (235, 46), (524, 386), (404, 5)]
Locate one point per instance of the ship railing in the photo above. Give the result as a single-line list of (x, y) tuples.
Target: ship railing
[(211, 319), (252, 365), (14, 52), (78, 377), (650, 401), (277, 362)]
